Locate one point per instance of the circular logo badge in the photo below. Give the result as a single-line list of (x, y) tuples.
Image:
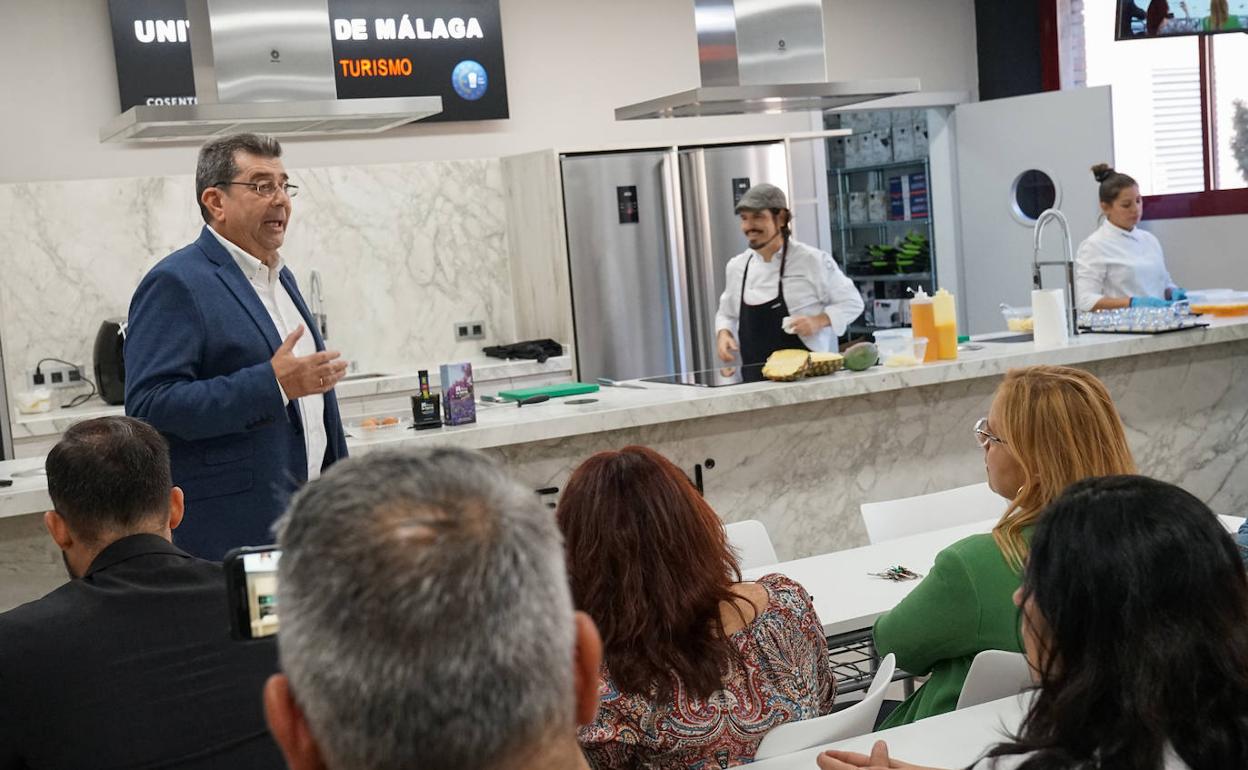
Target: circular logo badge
[(469, 80)]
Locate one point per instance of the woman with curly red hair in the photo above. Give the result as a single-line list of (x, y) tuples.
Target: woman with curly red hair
[(698, 665)]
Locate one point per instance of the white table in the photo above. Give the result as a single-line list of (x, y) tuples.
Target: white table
[(847, 598), (952, 740)]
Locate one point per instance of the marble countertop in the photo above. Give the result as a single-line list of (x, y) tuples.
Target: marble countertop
[(484, 369), (618, 408), (29, 493)]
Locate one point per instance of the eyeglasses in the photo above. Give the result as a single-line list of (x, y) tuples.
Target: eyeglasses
[(983, 437), (267, 188)]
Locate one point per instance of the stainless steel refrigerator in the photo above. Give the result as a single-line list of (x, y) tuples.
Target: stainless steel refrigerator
[(649, 235)]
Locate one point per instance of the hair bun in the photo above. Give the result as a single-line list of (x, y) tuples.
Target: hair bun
[(1102, 171)]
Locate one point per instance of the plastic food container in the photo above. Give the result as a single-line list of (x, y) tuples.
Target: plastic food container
[(909, 353), (1017, 319), (899, 347), (1218, 302)]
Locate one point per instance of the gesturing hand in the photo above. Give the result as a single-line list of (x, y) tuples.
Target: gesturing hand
[(726, 346), (302, 376), (808, 325)]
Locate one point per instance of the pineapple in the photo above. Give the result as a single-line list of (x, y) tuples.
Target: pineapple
[(824, 363), (786, 365)]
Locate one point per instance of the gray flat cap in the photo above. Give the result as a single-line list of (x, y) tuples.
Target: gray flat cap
[(763, 196)]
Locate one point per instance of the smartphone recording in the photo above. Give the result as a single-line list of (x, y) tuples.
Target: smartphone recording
[(251, 581)]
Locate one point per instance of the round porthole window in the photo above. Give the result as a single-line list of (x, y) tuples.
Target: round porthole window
[(1033, 191)]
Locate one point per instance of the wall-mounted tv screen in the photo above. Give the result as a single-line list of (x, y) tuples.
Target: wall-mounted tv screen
[(1139, 19)]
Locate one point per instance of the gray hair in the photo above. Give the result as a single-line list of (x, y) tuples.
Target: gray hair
[(216, 161), (425, 610)]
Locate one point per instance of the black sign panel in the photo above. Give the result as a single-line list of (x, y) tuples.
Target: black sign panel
[(626, 201), (447, 48), (151, 39), (740, 186)]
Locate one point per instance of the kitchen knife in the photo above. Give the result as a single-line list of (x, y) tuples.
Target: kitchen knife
[(610, 383), (531, 400)]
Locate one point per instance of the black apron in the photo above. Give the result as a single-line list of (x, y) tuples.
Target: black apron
[(759, 329)]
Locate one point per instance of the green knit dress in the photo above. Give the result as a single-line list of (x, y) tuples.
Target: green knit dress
[(964, 606)]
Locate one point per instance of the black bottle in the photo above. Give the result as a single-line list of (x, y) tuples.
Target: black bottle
[(426, 408)]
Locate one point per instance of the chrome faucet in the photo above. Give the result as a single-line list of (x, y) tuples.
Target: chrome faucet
[(1046, 216), (316, 303)]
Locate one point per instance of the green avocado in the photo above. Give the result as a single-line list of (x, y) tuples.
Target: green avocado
[(860, 357)]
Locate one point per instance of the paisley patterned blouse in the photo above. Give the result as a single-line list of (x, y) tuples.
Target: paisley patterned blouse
[(786, 677)]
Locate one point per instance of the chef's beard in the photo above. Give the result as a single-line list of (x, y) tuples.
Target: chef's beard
[(756, 245)]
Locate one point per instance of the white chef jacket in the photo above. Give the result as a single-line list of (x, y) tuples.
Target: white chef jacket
[(813, 284), (1113, 262), (286, 317)]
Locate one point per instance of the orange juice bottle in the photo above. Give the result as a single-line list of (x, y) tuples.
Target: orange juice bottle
[(946, 323), (923, 321)]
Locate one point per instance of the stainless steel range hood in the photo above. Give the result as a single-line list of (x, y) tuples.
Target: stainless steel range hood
[(762, 56), (264, 66)]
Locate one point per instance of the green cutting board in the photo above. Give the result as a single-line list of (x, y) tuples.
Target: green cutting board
[(554, 391)]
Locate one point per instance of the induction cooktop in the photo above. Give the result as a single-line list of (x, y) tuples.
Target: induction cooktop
[(708, 378)]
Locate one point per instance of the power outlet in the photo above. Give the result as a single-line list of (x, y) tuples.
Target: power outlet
[(469, 330), (54, 375)]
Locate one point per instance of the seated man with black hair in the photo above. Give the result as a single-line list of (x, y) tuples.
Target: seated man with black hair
[(130, 664)]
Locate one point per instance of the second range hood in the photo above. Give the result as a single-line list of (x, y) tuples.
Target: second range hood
[(264, 66), (763, 57)]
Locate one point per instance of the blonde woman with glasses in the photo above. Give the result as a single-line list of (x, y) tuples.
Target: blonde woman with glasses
[(1048, 427)]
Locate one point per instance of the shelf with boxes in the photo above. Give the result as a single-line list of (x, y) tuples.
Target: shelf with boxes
[(876, 225), (880, 210)]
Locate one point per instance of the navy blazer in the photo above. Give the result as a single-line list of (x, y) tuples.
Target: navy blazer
[(198, 349)]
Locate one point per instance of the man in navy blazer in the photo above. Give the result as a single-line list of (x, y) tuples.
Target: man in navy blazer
[(222, 356)]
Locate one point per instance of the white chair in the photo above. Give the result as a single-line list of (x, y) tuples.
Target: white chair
[(891, 519), (995, 674), (752, 543), (858, 719)]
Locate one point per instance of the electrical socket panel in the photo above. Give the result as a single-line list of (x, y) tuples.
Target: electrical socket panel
[(469, 330), (54, 375)]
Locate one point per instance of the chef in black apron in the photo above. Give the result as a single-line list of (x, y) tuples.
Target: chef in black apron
[(812, 304)]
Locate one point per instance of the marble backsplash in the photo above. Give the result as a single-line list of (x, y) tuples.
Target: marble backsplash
[(404, 250)]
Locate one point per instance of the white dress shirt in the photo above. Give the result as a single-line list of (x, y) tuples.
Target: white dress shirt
[(1113, 262), (286, 318), (813, 284)]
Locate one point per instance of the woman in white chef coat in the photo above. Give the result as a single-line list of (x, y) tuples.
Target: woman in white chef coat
[(777, 278), (1119, 265)]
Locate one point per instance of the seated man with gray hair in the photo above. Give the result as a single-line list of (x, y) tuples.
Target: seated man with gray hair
[(427, 622), (129, 664)]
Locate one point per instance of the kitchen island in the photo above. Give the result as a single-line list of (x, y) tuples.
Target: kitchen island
[(803, 456)]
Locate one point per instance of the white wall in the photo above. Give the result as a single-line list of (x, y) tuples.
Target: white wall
[(569, 64), (1204, 252), (933, 40)]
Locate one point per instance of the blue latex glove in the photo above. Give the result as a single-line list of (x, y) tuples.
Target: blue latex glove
[(1178, 294), (1148, 302)]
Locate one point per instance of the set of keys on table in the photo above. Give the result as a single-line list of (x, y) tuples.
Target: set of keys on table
[(897, 573)]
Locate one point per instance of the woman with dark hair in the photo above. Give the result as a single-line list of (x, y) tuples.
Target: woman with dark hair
[(1121, 265), (1156, 16), (697, 665), (1135, 618)]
